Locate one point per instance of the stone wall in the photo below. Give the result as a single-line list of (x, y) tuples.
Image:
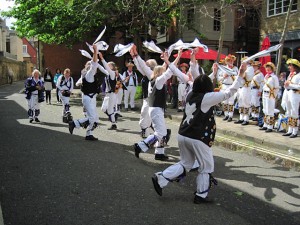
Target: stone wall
[(18, 70)]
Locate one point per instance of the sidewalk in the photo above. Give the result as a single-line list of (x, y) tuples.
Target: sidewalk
[(271, 146)]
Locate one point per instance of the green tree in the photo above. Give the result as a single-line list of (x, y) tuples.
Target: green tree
[(69, 21)]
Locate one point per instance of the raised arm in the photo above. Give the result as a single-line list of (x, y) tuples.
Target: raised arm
[(106, 70), (212, 98)]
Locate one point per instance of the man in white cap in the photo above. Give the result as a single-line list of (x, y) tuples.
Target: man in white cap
[(131, 81)]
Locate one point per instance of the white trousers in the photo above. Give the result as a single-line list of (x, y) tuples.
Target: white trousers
[(33, 105), (129, 94), (91, 112), (65, 101), (160, 130), (189, 150), (181, 92), (245, 97), (145, 120), (111, 106)]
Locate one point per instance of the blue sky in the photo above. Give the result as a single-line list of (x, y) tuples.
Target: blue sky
[(4, 5)]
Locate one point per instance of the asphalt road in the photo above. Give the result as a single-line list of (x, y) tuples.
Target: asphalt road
[(48, 176)]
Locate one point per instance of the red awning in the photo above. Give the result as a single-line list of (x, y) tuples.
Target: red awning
[(211, 54)]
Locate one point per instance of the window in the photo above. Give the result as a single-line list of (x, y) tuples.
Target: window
[(217, 20), (277, 7), (191, 16), (24, 49)]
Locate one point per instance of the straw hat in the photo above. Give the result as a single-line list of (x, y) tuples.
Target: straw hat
[(270, 64), (294, 62), (230, 57), (256, 63), (129, 64), (246, 57)]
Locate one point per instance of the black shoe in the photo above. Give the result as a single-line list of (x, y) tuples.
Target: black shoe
[(161, 157), (293, 135), (226, 118), (137, 150), (245, 123), (255, 119), (287, 134), (179, 110), (133, 109), (263, 128), (113, 127), (157, 188), (239, 121), (229, 119), (37, 120), (194, 169), (117, 115), (200, 200), (268, 130), (31, 120), (91, 138), (168, 136), (71, 127)]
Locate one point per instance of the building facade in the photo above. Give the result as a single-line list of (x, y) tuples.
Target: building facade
[(273, 18)]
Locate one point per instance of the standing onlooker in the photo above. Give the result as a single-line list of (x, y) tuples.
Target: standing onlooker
[(56, 76), (48, 82), (257, 84), (291, 97), (131, 82), (270, 90), (34, 88), (181, 87)]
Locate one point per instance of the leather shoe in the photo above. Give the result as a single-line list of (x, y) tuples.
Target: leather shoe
[(137, 150), (157, 188), (293, 135), (226, 118), (268, 130), (229, 119), (91, 138), (200, 200), (263, 128), (287, 134), (37, 120), (239, 121), (161, 157), (245, 123), (113, 127), (31, 120), (71, 126)]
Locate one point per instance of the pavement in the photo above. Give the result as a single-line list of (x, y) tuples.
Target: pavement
[(273, 147)]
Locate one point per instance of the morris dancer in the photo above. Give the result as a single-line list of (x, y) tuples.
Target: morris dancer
[(270, 90), (90, 90), (65, 85), (291, 97), (257, 84), (34, 90), (196, 136)]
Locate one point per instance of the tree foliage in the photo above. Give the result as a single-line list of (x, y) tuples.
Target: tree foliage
[(68, 21)]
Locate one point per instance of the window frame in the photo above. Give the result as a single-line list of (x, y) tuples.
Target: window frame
[(279, 5)]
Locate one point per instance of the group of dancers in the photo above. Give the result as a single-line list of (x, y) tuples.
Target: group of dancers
[(197, 129)]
